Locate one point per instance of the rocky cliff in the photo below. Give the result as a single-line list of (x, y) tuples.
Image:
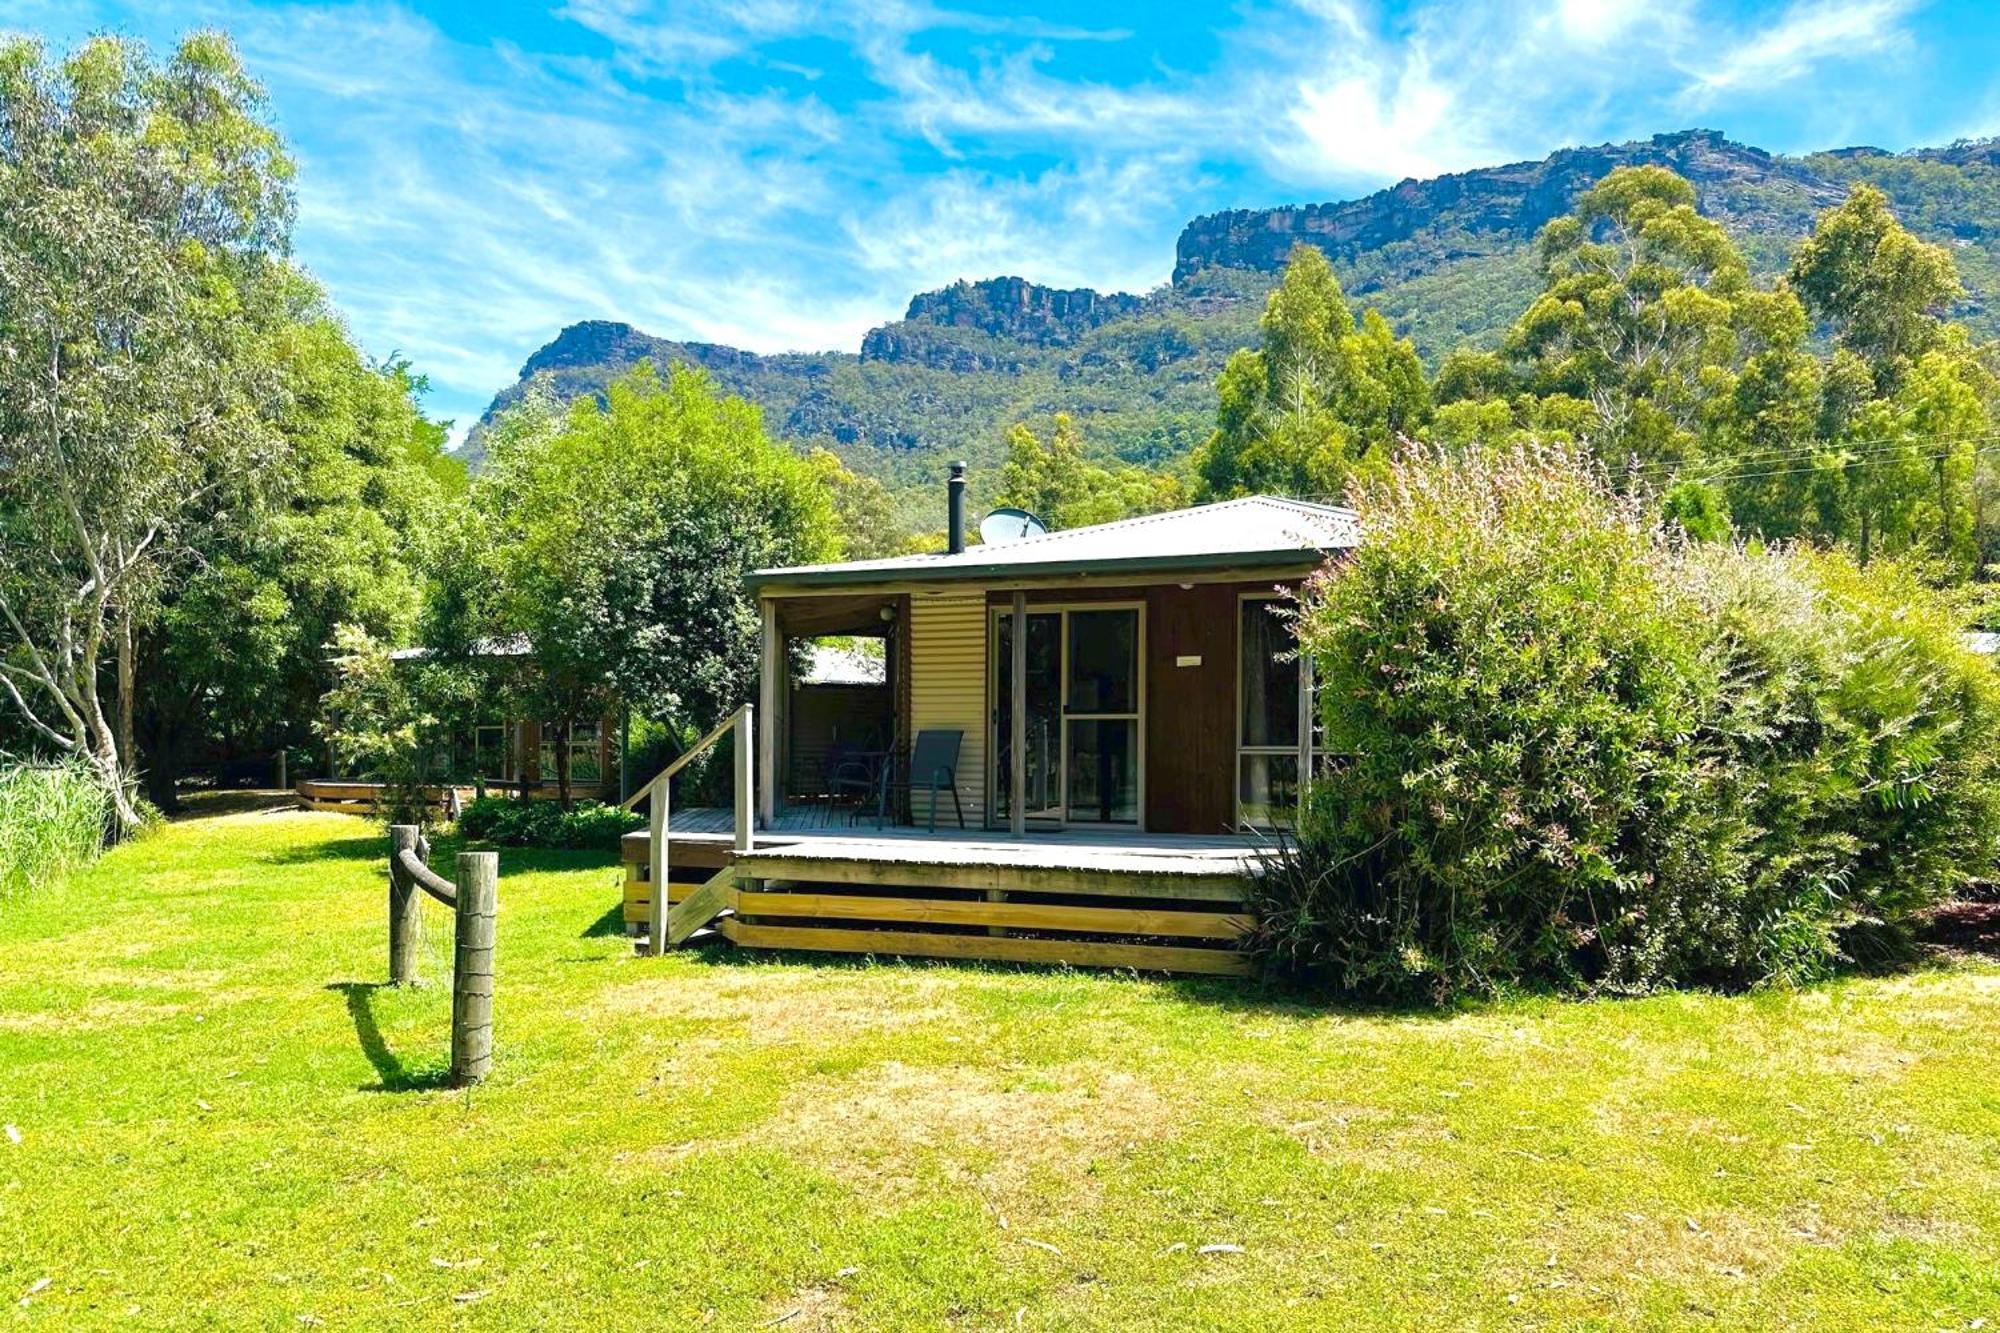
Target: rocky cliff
[(1744, 185), (1448, 261)]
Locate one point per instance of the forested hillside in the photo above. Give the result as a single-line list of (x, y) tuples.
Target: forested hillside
[(1449, 261)]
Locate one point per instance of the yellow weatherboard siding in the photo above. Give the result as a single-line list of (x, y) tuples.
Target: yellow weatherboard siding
[(948, 693)]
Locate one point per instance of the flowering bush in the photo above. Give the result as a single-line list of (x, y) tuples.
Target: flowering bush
[(1575, 751)]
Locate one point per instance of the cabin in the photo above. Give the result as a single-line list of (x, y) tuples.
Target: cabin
[(495, 751), (1075, 750)]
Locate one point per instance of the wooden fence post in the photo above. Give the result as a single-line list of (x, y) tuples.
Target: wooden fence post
[(660, 818), (472, 967), (746, 778), (405, 908)]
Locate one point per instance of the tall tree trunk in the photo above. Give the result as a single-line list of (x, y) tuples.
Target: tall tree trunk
[(103, 757), (163, 766), (128, 748)]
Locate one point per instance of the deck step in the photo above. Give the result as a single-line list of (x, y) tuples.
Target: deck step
[(1160, 904), (927, 944)]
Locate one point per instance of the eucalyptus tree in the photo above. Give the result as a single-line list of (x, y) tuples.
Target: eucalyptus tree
[(1325, 394), (1911, 397), (1882, 292), (619, 535), (1056, 482), (1639, 315), (144, 209)]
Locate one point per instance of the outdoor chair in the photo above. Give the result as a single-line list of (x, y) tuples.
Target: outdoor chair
[(933, 767), (852, 778)]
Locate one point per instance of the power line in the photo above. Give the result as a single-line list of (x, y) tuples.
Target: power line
[(1879, 462), (1861, 448)]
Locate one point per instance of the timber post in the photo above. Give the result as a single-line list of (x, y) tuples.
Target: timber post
[(474, 901), (746, 778), (472, 967), (659, 819), (405, 907)]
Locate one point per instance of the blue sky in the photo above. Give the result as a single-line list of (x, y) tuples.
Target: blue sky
[(780, 174)]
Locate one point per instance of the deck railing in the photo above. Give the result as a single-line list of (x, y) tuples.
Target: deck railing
[(743, 798)]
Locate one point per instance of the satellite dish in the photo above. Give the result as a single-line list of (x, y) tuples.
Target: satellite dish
[(1009, 525)]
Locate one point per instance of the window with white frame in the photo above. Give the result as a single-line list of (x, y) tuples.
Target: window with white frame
[(1268, 712)]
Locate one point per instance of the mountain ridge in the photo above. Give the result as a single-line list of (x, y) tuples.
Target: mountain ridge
[(1448, 260)]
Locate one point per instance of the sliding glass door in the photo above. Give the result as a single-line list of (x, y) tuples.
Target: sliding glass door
[(1101, 717), (1083, 715), (1042, 733)]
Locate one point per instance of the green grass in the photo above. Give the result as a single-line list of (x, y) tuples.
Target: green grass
[(222, 1122)]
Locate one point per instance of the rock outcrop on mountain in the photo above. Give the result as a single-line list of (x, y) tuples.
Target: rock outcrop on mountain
[(1746, 186), (1448, 261)]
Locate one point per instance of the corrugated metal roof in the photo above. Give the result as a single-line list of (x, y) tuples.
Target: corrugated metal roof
[(1254, 531)]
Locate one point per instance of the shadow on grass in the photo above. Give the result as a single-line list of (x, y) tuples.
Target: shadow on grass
[(211, 804), (612, 923), (374, 846), (395, 1076), (1967, 925)]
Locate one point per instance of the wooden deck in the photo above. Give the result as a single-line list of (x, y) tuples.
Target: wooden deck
[(363, 798), (1098, 898)]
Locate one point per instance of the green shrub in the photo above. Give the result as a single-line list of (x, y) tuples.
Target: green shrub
[(1577, 754), (512, 823), (53, 818)]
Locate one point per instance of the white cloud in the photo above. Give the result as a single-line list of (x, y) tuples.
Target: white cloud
[(1068, 227), (464, 198), (1362, 123), (1013, 97), (1807, 35), (1447, 86), (1594, 22), (687, 36)]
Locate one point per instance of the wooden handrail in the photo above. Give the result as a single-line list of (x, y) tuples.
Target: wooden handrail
[(687, 756), (660, 816)]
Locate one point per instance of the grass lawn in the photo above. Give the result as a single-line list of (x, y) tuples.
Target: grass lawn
[(214, 1117)]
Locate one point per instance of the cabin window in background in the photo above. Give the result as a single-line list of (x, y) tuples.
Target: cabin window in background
[(583, 766), (489, 752), (1267, 715), (583, 753)]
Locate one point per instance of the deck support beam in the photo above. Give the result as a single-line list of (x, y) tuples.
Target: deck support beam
[(770, 688), (1017, 747), (746, 776)]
